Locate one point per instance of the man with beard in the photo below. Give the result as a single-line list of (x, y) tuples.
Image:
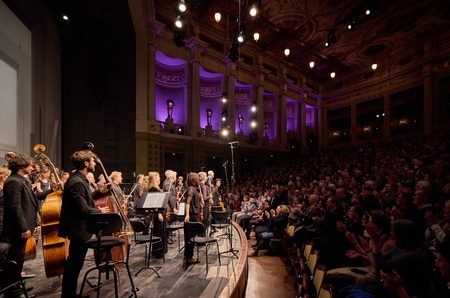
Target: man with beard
[(77, 204)]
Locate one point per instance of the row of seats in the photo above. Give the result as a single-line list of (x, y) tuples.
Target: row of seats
[(309, 272)]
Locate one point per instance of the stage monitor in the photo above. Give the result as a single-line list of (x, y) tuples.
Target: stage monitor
[(153, 201)]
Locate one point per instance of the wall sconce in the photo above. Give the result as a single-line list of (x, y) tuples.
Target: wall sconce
[(256, 36), (217, 17), (287, 51), (253, 107), (170, 105), (224, 97), (332, 74), (209, 113), (240, 122), (374, 66), (266, 129), (311, 64), (335, 134)]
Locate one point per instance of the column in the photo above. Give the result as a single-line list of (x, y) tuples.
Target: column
[(319, 109), (197, 47), (259, 98), (427, 99), (231, 66), (324, 122), (282, 128), (353, 122), (387, 116), (303, 123)]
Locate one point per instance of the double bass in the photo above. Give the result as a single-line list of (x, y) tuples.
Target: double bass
[(118, 253), (54, 248)]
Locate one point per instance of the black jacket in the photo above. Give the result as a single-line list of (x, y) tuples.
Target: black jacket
[(77, 204)]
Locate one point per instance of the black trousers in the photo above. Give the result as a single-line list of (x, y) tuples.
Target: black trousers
[(72, 269), (16, 252), (188, 246)]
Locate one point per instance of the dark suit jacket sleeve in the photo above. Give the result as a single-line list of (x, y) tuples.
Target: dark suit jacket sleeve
[(16, 213), (79, 204), (42, 195)]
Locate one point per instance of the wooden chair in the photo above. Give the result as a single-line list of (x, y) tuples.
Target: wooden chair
[(312, 262), (326, 291), (319, 276)]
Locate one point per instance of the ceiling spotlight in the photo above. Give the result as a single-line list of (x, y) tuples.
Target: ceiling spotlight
[(332, 74), (65, 17), (253, 124), (217, 17), (287, 51), (355, 21), (241, 37), (253, 11), (256, 36), (224, 132), (374, 66), (179, 22), (367, 12), (311, 64), (182, 6)]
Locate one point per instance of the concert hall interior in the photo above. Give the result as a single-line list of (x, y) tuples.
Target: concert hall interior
[(153, 87)]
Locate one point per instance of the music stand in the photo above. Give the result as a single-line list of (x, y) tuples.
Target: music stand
[(149, 204)]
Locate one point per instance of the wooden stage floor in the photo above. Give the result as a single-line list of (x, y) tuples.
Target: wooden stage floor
[(175, 281)]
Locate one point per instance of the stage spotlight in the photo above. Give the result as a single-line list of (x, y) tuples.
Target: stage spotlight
[(179, 22), (224, 97), (182, 6), (253, 107)]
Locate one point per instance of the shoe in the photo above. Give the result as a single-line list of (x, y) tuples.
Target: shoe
[(191, 261), (254, 254)]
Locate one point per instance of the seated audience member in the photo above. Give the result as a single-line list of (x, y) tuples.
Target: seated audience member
[(258, 219), (363, 275), (438, 231), (277, 223), (395, 284)]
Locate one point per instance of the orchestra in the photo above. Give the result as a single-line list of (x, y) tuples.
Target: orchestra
[(105, 194)]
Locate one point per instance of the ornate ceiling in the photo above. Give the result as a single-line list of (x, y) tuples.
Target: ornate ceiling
[(303, 26)]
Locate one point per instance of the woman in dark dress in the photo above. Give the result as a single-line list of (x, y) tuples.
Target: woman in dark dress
[(193, 200), (159, 222)]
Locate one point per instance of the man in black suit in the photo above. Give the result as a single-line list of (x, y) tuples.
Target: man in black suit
[(77, 204), (21, 206)]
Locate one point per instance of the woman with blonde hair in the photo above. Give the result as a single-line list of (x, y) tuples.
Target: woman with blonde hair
[(159, 223)]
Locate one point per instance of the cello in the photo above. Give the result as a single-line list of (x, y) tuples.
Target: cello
[(54, 248), (118, 253)]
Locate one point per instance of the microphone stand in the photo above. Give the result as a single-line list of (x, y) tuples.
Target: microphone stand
[(226, 174), (230, 234)]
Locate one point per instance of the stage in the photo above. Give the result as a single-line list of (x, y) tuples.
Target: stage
[(225, 280)]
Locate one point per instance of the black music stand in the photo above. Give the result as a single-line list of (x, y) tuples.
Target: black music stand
[(150, 204)]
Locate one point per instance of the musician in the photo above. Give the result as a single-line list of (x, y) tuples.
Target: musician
[(8, 156), (193, 200), (138, 190), (116, 179), (21, 206), (92, 185), (210, 179), (77, 204), (4, 174), (64, 176), (159, 223), (216, 192), (101, 181), (169, 186), (207, 198)]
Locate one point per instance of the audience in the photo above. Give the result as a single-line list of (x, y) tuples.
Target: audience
[(406, 181)]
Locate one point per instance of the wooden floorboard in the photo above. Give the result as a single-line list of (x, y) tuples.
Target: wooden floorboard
[(265, 278)]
